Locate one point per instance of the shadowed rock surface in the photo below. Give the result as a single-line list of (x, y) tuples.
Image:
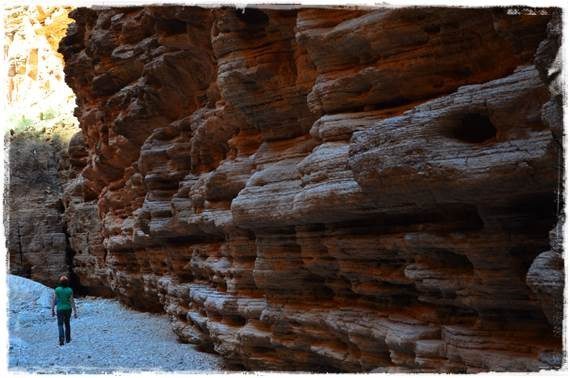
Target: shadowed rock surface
[(323, 189), (36, 237)]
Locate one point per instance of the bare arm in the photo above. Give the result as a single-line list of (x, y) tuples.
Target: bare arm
[(72, 300), (53, 304)]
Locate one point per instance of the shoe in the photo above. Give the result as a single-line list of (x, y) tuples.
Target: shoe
[(60, 342), (68, 340)]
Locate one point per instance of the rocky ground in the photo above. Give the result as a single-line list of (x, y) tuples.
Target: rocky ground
[(107, 337)]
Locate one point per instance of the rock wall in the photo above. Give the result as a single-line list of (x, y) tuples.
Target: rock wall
[(36, 239), (321, 189), (39, 123)]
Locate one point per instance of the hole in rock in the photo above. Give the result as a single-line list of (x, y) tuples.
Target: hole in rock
[(171, 27), (474, 128), (252, 16)]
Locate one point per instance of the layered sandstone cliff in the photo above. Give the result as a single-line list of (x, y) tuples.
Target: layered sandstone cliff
[(323, 189)]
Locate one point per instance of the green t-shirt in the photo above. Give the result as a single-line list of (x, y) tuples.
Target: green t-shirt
[(63, 295)]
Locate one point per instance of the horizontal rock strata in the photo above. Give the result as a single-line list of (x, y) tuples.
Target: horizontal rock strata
[(321, 189), (36, 233)]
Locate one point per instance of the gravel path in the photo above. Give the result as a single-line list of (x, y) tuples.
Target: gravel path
[(107, 337)]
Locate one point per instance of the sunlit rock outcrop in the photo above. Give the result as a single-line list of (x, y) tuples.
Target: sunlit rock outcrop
[(35, 81)]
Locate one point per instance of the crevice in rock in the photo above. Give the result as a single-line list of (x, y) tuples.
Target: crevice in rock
[(474, 128), (74, 279)]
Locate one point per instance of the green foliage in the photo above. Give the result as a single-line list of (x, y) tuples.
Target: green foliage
[(21, 123), (47, 118), (48, 114)]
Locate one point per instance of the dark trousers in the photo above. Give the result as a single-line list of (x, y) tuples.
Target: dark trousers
[(63, 317)]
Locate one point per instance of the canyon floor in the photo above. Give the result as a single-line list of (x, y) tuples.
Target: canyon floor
[(106, 337)]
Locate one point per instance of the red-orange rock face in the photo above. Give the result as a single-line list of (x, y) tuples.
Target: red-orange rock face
[(323, 189)]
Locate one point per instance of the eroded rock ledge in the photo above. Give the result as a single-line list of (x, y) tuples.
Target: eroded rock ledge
[(323, 189)]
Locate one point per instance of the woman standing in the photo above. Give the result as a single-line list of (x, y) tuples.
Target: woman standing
[(63, 297)]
